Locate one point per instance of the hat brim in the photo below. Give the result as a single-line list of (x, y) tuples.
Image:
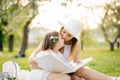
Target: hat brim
[(66, 28)]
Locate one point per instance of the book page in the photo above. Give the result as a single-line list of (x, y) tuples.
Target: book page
[(52, 63), (82, 63)]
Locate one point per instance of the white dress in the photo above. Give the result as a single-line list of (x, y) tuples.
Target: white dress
[(66, 51), (39, 74)]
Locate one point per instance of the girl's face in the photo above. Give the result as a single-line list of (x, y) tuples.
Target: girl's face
[(60, 42), (66, 35)]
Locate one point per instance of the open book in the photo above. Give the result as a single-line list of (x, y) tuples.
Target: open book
[(51, 62)]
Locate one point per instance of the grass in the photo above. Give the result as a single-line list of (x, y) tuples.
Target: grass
[(105, 61)]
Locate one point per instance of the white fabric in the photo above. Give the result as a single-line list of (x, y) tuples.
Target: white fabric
[(66, 51), (23, 75), (115, 78), (38, 74), (9, 67)]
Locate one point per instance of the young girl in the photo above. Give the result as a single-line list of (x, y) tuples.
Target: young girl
[(52, 43), (70, 33)]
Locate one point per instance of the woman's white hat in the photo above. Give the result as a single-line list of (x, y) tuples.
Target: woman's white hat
[(73, 26)]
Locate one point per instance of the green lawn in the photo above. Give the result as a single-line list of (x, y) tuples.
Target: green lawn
[(104, 60)]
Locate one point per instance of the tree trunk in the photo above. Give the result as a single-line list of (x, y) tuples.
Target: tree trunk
[(1, 46), (24, 40), (1, 41), (118, 39), (82, 44), (10, 42), (111, 46), (118, 45), (82, 40), (25, 37)]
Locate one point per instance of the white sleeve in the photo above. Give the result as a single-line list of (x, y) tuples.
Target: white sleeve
[(41, 53)]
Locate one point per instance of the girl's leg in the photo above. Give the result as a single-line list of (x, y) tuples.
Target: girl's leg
[(58, 76), (90, 74)]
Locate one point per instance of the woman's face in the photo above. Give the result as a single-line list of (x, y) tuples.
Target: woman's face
[(66, 35)]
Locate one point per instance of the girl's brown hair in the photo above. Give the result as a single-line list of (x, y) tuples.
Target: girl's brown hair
[(50, 40), (73, 47)]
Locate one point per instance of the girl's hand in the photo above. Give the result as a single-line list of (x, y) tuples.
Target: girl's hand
[(33, 64)]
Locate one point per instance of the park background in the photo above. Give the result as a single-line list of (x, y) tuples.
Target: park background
[(23, 24)]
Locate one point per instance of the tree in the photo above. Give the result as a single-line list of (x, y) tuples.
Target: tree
[(9, 10), (111, 23), (3, 22), (33, 8), (1, 38)]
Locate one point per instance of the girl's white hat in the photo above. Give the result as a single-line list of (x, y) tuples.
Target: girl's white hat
[(73, 26)]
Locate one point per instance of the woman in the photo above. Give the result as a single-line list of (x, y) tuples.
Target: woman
[(51, 44), (70, 34)]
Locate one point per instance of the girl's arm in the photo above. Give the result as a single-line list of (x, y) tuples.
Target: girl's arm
[(38, 49), (32, 63)]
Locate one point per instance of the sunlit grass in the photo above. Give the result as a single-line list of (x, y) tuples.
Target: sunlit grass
[(105, 61), (22, 62)]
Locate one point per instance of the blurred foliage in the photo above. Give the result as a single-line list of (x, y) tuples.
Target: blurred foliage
[(14, 15), (112, 19)]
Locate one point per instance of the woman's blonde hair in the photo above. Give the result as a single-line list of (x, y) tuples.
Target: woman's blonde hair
[(73, 47)]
